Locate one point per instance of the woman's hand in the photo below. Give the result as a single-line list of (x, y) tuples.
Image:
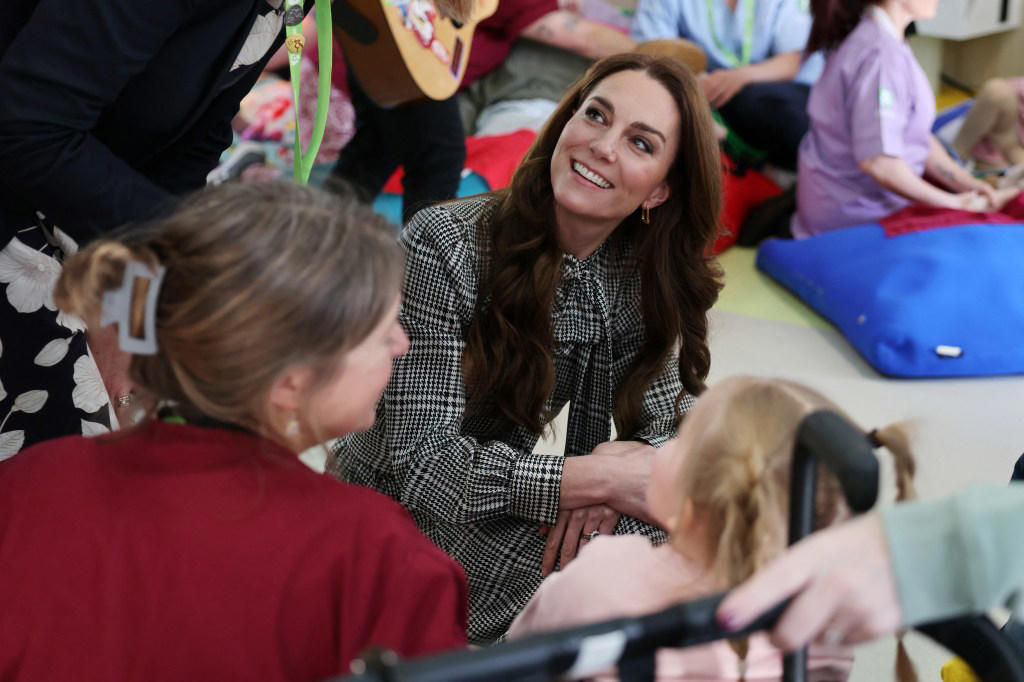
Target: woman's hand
[(572, 530), (629, 464), (113, 365), (843, 584), (615, 473), (721, 85)]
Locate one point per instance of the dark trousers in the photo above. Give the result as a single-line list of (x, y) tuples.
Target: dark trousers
[(772, 117), (423, 137)]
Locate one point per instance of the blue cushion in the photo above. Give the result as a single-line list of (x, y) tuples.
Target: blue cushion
[(390, 205), (944, 302), (950, 113)]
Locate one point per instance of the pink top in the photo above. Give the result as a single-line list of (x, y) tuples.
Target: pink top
[(627, 576)]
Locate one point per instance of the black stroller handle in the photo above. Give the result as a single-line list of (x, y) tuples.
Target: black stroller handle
[(631, 643), (826, 437), (572, 653)]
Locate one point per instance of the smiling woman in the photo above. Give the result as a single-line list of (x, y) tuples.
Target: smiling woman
[(612, 156), (587, 282)]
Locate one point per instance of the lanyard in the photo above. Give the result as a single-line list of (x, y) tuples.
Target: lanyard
[(748, 34), (294, 41)]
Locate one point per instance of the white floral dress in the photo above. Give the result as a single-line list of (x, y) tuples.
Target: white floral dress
[(49, 383)]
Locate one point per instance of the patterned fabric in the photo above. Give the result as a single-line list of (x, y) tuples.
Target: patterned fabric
[(473, 483), (49, 384)]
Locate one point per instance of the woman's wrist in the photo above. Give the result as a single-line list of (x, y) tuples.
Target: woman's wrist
[(586, 481)]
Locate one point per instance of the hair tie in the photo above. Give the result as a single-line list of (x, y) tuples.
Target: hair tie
[(117, 307), (873, 439)]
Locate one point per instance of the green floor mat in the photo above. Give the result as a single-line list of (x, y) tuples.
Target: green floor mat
[(748, 291)]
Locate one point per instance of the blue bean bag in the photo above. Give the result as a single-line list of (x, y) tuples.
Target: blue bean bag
[(390, 205), (939, 303)]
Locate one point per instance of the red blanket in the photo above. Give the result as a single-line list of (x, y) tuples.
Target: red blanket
[(917, 217), (495, 157)]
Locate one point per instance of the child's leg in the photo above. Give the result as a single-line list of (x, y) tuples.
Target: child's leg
[(993, 115)]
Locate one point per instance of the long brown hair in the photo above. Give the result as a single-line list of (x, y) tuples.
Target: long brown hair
[(833, 20), (509, 343), (259, 277)]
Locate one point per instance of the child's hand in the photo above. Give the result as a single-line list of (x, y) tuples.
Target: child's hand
[(992, 198), (573, 529), (970, 201)]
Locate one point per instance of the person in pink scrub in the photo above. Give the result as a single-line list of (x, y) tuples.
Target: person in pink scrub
[(869, 150)]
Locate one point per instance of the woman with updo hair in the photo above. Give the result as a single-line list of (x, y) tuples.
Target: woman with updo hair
[(262, 320)]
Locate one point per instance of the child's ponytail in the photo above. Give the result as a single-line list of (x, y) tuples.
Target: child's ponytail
[(894, 439), (748, 539)]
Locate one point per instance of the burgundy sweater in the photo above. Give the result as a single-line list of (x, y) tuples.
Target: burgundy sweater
[(187, 553)]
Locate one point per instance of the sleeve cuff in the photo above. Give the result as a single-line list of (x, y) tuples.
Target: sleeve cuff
[(536, 487), (655, 440), (960, 555), (928, 559)]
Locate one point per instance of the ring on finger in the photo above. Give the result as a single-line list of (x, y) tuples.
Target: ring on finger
[(124, 400), (591, 535)]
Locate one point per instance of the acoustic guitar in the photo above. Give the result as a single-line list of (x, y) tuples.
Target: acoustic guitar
[(403, 50)]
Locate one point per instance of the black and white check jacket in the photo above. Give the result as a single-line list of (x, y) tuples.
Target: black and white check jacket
[(474, 484)]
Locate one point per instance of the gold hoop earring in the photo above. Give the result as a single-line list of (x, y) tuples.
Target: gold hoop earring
[(645, 215)]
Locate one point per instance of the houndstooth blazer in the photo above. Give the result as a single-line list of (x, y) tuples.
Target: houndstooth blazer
[(474, 484)]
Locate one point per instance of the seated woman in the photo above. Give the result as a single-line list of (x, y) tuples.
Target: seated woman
[(722, 487), (197, 546), (869, 151), (757, 78), (586, 282)]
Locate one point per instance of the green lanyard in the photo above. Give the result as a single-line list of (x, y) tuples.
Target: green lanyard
[(748, 34), (294, 41)]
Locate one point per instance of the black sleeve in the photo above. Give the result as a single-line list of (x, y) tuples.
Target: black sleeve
[(66, 65)]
